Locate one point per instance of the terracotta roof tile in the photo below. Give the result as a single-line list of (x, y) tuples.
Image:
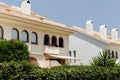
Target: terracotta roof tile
[(96, 35), (16, 12)]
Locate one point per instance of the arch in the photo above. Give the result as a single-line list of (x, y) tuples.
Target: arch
[(61, 42), (112, 53), (116, 54), (34, 38), (25, 36), (1, 32), (15, 34), (33, 60), (46, 39), (109, 53), (54, 41)]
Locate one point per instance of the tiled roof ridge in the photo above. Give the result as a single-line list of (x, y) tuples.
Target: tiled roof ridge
[(9, 10)]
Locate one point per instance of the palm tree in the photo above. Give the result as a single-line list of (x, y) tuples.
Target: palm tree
[(103, 59)]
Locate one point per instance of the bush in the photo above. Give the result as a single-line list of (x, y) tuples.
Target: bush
[(26, 71), (19, 71), (13, 50), (103, 59), (84, 73)]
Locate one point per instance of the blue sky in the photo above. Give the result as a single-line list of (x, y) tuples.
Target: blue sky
[(77, 12)]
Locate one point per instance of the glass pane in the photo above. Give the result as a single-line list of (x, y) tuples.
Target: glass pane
[(46, 40), (60, 42), (24, 36), (33, 38), (54, 41), (14, 34)]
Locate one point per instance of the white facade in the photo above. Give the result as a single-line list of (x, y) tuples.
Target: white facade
[(33, 25), (88, 46), (49, 42), (85, 47)]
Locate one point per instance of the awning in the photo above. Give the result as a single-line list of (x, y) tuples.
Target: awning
[(62, 57)]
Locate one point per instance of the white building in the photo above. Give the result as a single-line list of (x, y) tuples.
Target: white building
[(48, 41), (86, 43)]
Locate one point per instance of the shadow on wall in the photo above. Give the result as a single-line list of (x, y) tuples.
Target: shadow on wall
[(89, 39)]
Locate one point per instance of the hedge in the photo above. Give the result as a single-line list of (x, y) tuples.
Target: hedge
[(19, 71), (26, 71)]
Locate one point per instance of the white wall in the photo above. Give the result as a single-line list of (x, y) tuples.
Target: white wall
[(86, 47), (115, 48), (36, 48)]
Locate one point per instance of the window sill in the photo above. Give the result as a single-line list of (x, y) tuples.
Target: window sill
[(26, 41), (34, 43), (61, 47)]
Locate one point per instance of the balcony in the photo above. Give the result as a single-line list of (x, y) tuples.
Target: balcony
[(51, 50)]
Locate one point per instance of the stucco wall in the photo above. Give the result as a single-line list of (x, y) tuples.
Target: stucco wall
[(114, 48), (86, 47), (36, 48)]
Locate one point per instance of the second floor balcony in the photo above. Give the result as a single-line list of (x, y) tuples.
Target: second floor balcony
[(51, 49)]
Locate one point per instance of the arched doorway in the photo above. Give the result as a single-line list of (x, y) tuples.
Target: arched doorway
[(33, 60)]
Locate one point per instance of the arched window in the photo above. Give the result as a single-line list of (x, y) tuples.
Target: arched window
[(1, 32), (15, 34), (112, 54), (109, 53), (34, 38), (46, 40), (61, 42), (54, 41), (25, 36), (116, 54)]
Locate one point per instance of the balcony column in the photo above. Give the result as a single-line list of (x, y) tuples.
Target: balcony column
[(57, 41), (50, 39)]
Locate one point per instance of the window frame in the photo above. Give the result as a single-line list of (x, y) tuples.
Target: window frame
[(2, 32), (46, 36), (61, 42), (54, 41), (17, 34), (75, 55), (70, 54), (36, 42), (112, 54), (116, 53), (27, 35)]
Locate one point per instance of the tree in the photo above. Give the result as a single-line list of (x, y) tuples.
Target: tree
[(13, 50), (103, 59)]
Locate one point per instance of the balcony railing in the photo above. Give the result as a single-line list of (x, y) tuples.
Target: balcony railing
[(51, 50)]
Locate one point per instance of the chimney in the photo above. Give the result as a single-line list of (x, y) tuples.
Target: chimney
[(89, 27), (103, 32), (26, 7), (114, 34)]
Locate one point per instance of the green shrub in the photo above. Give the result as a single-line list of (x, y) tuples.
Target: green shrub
[(26, 71), (19, 71), (103, 59), (13, 50), (85, 73)]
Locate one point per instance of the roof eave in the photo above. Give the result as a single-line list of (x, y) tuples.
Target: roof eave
[(66, 29), (89, 35)]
